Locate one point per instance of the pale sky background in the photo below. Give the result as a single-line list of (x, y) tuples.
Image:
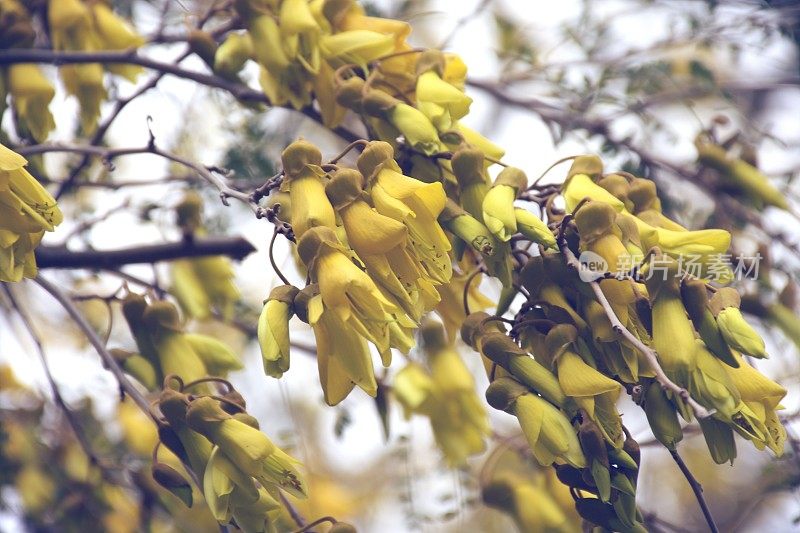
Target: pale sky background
[(528, 145)]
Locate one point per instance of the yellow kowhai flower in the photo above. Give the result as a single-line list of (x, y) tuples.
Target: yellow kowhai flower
[(475, 140), (762, 396), (195, 449), (498, 204), (349, 291), (673, 333), (418, 131), (27, 210), (412, 202), (438, 100), (31, 94), (245, 447), (217, 356), (113, 33), (580, 186), (356, 46), (260, 516), (534, 228), (300, 32), (273, 329), (592, 391), (175, 354), (232, 54), (223, 483), (303, 181), (647, 206), (381, 243), (451, 307), (550, 435), (738, 334), (458, 419), (343, 356), (532, 507)]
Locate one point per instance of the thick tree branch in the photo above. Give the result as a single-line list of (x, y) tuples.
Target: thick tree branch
[(61, 257)]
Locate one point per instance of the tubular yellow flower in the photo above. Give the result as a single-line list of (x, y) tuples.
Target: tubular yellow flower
[(194, 448), (412, 202), (175, 354), (417, 129), (438, 100), (232, 54), (534, 228), (532, 507), (85, 82), (220, 480), (581, 186), (32, 93), (310, 207), (273, 329), (738, 334), (763, 397), (356, 46), (458, 419), (673, 334), (245, 447), (549, 433), (498, 204), (382, 245), (27, 210), (347, 290), (662, 417), (217, 356), (594, 392), (113, 33)]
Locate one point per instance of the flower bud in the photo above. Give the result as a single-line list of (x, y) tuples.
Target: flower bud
[(468, 229), (738, 334), (534, 228), (273, 329), (498, 204)]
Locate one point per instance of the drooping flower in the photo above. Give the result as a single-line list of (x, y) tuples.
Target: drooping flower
[(247, 448), (412, 202), (273, 329)]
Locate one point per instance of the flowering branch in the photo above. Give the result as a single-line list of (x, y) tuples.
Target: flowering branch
[(650, 354)]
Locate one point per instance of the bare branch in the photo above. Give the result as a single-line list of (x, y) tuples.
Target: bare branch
[(61, 257)]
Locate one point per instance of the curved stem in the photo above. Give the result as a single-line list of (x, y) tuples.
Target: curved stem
[(697, 489)]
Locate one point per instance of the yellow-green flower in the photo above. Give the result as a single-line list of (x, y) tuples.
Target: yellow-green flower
[(356, 46), (763, 397), (347, 290), (532, 507), (738, 334), (31, 94), (549, 433), (27, 210), (412, 202), (498, 204), (382, 245), (534, 228), (580, 187), (113, 33), (217, 356), (273, 329), (232, 54), (438, 100), (245, 447), (224, 482), (175, 354), (303, 180)]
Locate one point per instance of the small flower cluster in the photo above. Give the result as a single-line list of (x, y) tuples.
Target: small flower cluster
[(76, 26), (27, 210), (240, 470)]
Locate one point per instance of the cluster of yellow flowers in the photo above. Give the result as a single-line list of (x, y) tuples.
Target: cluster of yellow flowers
[(27, 210), (74, 25), (205, 284)]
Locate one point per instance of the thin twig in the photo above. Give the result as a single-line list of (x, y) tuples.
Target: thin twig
[(697, 489), (292, 510), (110, 363), (69, 415)]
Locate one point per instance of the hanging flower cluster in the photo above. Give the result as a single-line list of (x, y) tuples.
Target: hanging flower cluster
[(27, 210)]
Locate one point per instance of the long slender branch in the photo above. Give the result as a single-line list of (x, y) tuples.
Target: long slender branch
[(61, 257), (110, 363), (649, 354), (697, 489)]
